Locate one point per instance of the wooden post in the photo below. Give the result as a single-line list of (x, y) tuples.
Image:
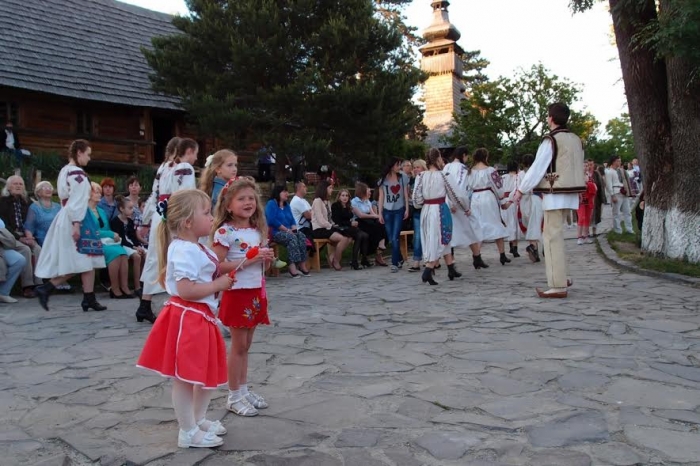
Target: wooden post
[(18, 172), (148, 135), (37, 177)]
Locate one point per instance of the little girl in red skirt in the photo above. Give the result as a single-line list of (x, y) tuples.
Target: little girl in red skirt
[(185, 343), (239, 227)]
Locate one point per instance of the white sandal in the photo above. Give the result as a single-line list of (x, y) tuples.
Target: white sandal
[(215, 427), (242, 407), (209, 440), (256, 400)]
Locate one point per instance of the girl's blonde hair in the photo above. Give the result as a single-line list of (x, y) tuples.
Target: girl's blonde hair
[(420, 163), (337, 198), (180, 208), (96, 187), (222, 214), (206, 181)]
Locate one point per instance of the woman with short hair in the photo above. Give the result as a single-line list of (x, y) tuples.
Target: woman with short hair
[(285, 231)]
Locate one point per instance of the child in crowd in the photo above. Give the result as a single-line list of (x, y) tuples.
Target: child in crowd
[(184, 343), (220, 167), (239, 226), (143, 230), (585, 210), (123, 225)]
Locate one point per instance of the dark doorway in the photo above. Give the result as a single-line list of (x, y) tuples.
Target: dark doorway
[(163, 131)]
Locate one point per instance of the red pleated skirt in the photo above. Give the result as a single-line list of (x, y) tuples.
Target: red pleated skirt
[(186, 344), (244, 308)]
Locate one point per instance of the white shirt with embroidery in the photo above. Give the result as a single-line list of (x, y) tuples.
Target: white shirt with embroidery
[(194, 262), (238, 241)]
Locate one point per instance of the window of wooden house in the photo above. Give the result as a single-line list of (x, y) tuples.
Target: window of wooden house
[(9, 111), (84, 124)]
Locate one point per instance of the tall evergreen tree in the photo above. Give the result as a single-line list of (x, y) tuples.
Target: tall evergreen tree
[(306, 76)]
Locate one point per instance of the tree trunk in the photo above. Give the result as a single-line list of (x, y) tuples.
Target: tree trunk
[(680, 222), (664, 119)]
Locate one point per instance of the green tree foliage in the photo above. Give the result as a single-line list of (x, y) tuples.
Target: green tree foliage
[(306, 76), (657, 41), (509, 115), (617, 140)]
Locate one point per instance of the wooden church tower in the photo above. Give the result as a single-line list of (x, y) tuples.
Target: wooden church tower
[(442, 60)]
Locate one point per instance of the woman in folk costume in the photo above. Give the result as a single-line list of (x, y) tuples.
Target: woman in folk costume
[(177, 175), (509, 214), (487, 189), (466, 230), (531, 216), (430, 193), (72, 244)]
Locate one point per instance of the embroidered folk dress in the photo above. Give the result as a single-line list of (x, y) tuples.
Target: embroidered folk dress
[(172, 179), (511, 183), (245, 305), (530, 215), (430, 194), (59, 255), (185, 342), (487, 190), (466, 229)]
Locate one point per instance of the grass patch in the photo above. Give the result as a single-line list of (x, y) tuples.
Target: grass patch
[(627, 247)]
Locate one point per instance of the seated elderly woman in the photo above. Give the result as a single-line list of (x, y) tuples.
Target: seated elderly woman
[(284, 230), (13, 211), (41, 213), (116, 256)]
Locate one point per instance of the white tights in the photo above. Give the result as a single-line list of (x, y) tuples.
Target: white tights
[(190, 403)]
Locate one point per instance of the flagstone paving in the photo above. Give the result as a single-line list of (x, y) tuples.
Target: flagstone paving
[(372, 368)]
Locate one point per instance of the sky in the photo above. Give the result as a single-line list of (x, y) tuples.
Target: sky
[(514, 34)]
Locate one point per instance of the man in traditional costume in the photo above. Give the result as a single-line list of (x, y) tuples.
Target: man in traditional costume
[(557, 173), (618, 189)]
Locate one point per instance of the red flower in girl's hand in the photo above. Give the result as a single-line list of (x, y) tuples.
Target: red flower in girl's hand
[(252, 253), (232, 274)]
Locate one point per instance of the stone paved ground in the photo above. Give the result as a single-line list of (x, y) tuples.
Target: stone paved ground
[(371, 368)]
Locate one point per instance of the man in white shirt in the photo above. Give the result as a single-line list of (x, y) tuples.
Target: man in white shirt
[(617, 190), (556, 201), (11, 144), (301, 209)]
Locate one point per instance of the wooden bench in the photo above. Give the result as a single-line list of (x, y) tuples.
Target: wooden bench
[(403, 240), (318, 245)]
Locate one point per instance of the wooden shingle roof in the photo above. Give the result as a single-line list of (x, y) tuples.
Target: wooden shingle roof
[(85, 49)]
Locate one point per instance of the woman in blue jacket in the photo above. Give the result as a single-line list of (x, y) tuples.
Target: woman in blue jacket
[(284, 231)]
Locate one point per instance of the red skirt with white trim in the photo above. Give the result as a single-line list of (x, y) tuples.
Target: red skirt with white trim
[(244, 308), (186, 344)]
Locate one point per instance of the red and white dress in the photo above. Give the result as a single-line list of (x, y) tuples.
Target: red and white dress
[(185, 342), (245, 305)]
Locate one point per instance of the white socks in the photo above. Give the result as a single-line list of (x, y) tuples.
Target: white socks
[(243, 389)]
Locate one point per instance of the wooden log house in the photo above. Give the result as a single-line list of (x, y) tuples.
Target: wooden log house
[(74, 69)]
